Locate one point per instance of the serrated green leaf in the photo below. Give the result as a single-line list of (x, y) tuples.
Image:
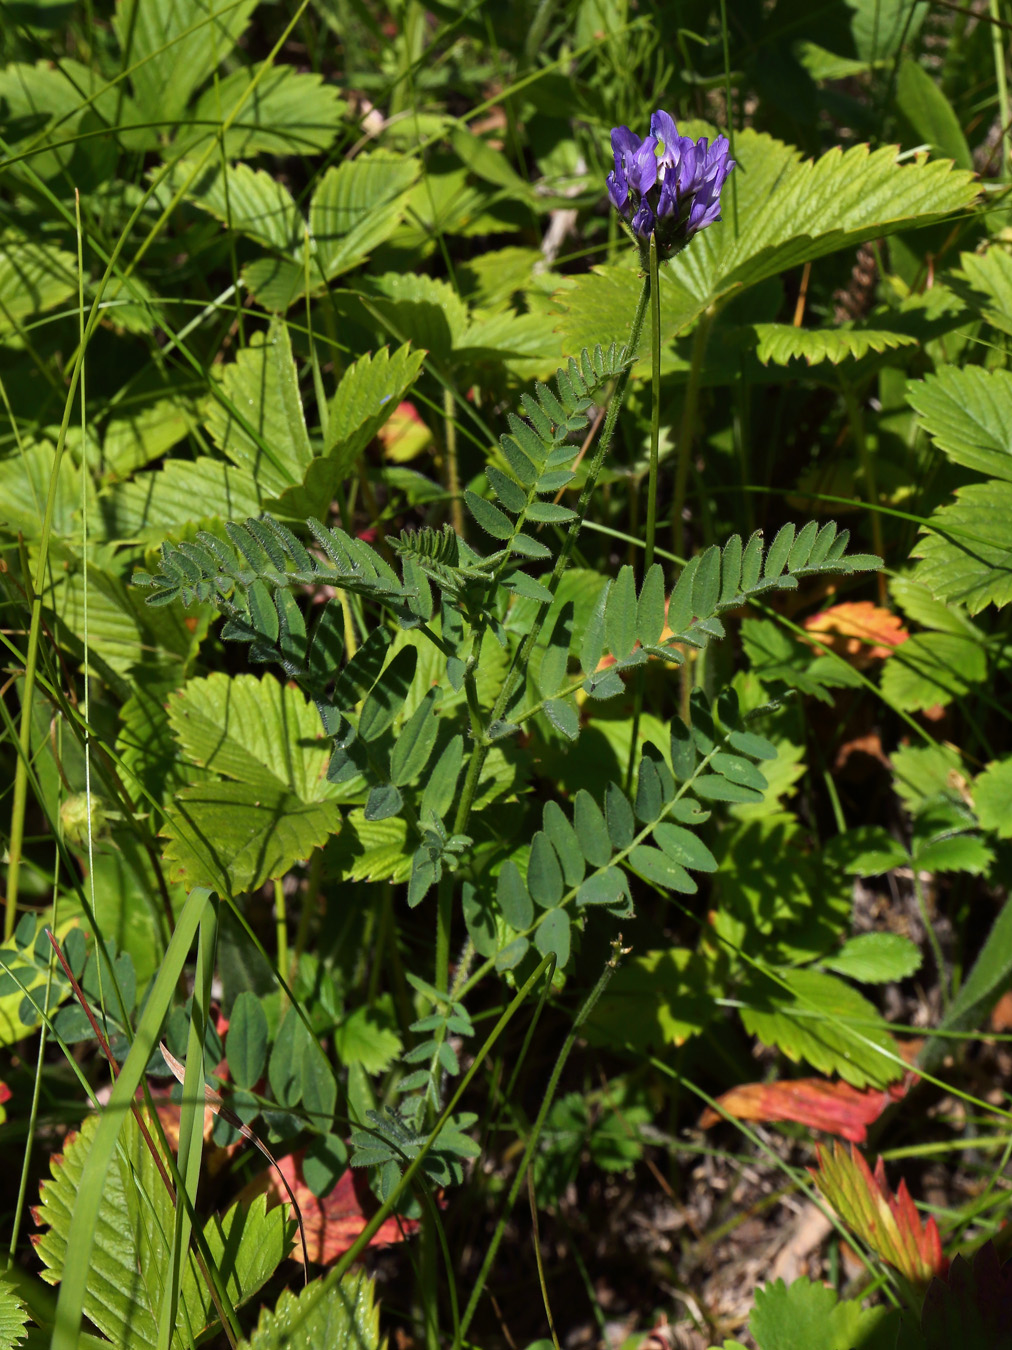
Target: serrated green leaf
[(236, 835), (985, 281), (782, 343), (874, 958), (130, 1256), (957, 853), (285, 112), (804, 1313), (250, 201), (932, 668), (246, 1041), (14, 1318), (819, 1019), (966, 553), (967, 412), (259, 421), (340, 1315), (992, 798)]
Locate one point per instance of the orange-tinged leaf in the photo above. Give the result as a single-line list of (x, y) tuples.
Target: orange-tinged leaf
[(404, 435), (859, 631), (836, 1108), (888, 1223), (333, 1223)]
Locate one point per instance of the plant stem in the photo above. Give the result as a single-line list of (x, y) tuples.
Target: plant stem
[(929, 928), (450, 455), (998, 49), (686, 429), (481, 746), (281, 925), (639, 684), (855, 415), (655, 405), (546, 1102)]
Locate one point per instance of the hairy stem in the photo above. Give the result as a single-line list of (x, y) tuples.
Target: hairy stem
[(686, 431)]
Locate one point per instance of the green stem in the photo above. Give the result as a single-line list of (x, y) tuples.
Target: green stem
[(686, 429), (929, 928), (639, 683), (450, 457), (655, 409), (281, 925), (546, 1102), (855, 415), (998, 49), (481, 744)]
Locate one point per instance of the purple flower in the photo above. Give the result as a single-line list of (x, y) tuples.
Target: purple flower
[(667, 185)]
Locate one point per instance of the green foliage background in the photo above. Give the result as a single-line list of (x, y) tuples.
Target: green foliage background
[(352, 741)]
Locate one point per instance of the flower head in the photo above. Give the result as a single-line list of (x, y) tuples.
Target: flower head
[(667, 185)]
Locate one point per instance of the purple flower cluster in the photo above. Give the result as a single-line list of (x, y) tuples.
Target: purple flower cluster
[(667, 185)]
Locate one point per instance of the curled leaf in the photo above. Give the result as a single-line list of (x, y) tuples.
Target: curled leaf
[(836, 1108), (888, 1223)]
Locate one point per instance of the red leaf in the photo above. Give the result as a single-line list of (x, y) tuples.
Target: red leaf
[(889, 1224), (334, 1222), (836, 1108), (858, 630)]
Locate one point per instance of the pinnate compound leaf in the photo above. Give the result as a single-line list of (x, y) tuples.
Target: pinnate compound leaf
[(819, 1019), (130, 1255), (807, 1314), (889, 1224), (339, 1315)]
